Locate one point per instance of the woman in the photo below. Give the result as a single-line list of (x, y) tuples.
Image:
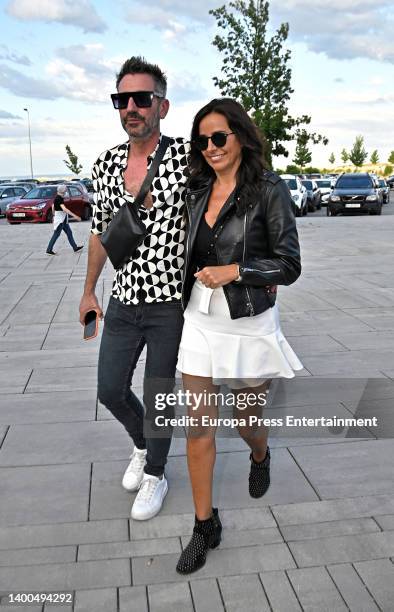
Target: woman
[(241, 242), (60, 221)]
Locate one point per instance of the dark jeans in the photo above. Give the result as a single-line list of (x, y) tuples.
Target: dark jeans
[(127, 329), (67, 230)]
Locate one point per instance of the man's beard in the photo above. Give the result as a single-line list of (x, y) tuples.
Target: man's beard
[(144, 130)]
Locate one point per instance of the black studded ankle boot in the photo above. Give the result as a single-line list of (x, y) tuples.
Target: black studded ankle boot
[(206, 534), (259, 476)]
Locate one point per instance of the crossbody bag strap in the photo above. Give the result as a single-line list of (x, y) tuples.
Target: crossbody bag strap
[(140, 198)]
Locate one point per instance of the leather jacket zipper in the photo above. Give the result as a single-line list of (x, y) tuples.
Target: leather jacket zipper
[(251, 309)]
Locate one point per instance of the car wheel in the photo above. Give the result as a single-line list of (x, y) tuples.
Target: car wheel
[(49, 217), (14, 222), (305, 210), (86, 213), (318, 205)]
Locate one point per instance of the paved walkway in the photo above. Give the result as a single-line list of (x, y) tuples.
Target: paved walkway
[(322, 538)]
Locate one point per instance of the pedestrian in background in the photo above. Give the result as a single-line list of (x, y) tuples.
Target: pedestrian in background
[(60, 222)]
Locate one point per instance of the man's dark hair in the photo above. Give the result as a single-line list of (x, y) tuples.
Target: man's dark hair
[(139, 65)]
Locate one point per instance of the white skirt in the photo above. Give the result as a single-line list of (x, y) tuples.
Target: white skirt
[(237, 352)]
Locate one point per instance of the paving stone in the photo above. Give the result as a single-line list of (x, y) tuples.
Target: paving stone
[(382, 409), (64, 443), (133, 599), (316, 590), (23, 337), (220, 562), (66, 576), (365, 340), (350, 467), (230, 485), (328, 321), (22, 608), (56, 493), (69, 335), (333, 510), (252, 537), (293, 533), (62, 534), (206, 596), (385, 522), (138, 548), (48, 407), (352, 364), (174, 597), (51, 359), (50, 379), (177, 525), (351, 588), (3, 431), (99, 600), (315, 345), (14, 381), (279, 592), (377, 318), (378, 576), (343, 549), (237, 590), (48, 300), (36, 556)]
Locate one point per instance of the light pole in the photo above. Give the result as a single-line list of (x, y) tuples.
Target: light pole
[(31, 158)]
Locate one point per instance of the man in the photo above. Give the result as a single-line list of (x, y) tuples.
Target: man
[(144, 308)]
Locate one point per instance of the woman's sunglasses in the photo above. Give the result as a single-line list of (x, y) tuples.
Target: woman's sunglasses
[(219, 139), (142, 99)]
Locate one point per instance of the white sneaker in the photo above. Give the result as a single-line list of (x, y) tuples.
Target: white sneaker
[(135, 472), (149, 498)]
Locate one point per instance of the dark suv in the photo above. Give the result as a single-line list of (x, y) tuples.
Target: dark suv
[(355, 193)]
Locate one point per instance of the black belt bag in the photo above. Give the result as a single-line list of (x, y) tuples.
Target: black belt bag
[(126, 231)]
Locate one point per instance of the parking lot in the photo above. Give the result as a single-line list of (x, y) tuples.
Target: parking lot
[(322, 538)]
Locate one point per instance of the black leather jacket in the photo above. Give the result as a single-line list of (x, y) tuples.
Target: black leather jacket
[(263, 241)]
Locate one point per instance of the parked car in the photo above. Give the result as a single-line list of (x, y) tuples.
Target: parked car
[(390, 181), (26, 184), (385, 189), (36, 205), (325, 189), (313, 195), (9, 193), (298, 194), (355, 193)]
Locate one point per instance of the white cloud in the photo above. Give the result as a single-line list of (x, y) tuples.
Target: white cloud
[(342, 29), (27, 87), (6, 115), (10, 56), (80, 14)]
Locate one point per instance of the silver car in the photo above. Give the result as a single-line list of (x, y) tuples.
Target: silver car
[(9, 193)]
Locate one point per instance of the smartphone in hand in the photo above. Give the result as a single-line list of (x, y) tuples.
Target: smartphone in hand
[(90, 329)]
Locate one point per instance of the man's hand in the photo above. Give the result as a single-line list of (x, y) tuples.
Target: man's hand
[(217, 276), (89, 302)]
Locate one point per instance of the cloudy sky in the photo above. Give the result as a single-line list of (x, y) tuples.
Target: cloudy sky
[(58, 58)]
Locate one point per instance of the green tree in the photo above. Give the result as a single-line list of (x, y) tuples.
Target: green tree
[(344, 156), (255, 72), (374, 157), (303, 155), (313, 170), (358, 154), (292, 169), (72, 163), (388, 170), (391, 158), (331, 159)]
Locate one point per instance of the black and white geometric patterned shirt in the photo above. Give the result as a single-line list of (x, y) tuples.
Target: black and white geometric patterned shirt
[(154, 273)]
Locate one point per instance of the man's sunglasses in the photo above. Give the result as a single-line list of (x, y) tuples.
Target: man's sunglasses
[(142, 99), (219, 139)]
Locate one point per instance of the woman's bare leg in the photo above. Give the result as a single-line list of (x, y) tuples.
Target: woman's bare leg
[(201, 448), (255, 436)]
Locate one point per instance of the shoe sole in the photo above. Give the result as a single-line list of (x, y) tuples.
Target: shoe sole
[(152, 514)]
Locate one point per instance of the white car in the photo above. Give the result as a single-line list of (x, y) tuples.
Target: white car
[(298, 193), (325, 186)]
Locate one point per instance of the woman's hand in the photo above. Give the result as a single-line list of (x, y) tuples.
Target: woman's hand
[(217, 276)]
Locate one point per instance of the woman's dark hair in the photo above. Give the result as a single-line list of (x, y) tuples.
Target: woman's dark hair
[(253, 162)]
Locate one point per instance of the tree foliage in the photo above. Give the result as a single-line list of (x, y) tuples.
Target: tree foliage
[(358, 154), (374, 157), (72, 163), (391, 158), (255, 72), (344, 156), (331, 159), (388, 170), (303, 155)]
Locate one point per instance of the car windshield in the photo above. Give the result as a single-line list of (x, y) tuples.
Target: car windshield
[(41, 192), (308, 184), (324, 183), (291, 183), (354, 182), (382, 183)]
